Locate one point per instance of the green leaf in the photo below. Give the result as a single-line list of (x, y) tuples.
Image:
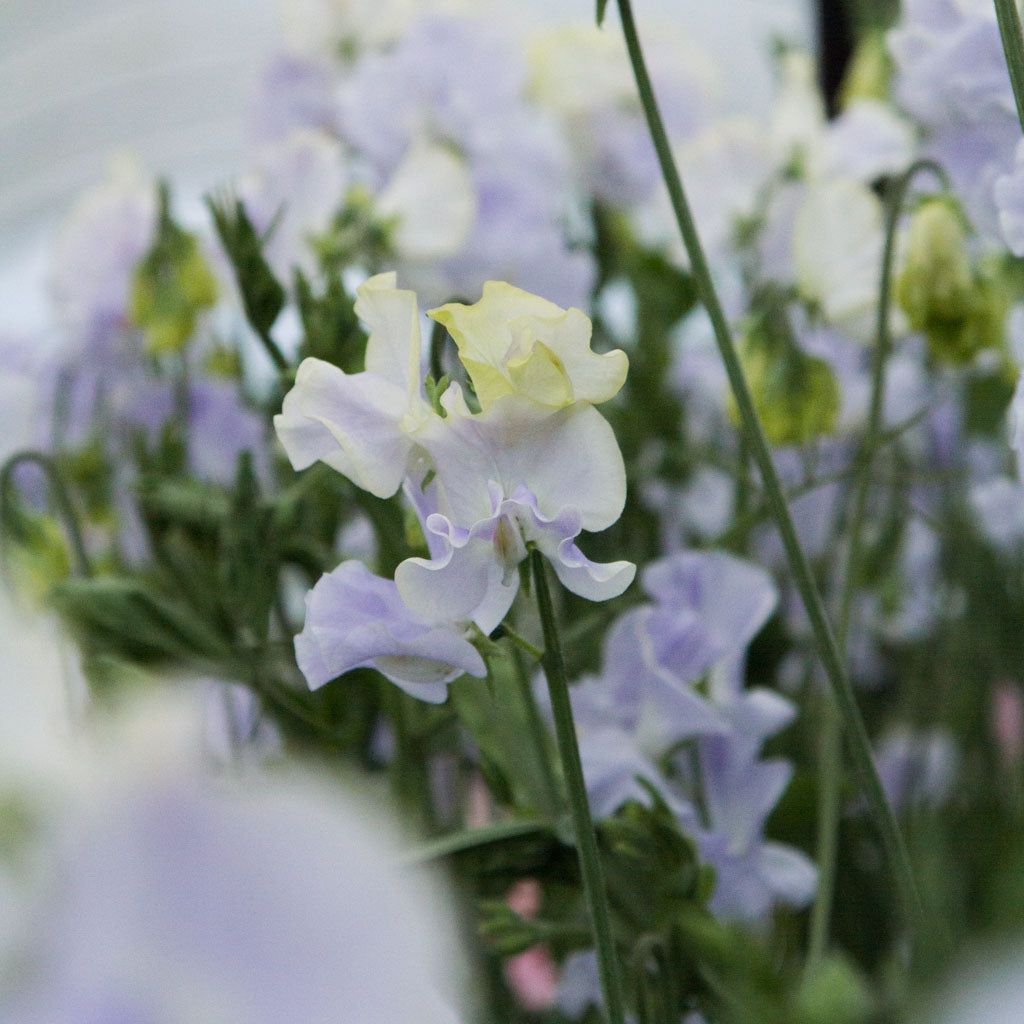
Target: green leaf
[(601, 5), (500, 853), (331, 327), (496, 719), (183, 502), (262, 294), (127, 618), (250, 555)]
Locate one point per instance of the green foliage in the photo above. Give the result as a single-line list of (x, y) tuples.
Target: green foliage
[(796, 395), (138, 623), (331, 330), (35, 555), (495, 717), (652, 869), (262, 294), (172, 285)]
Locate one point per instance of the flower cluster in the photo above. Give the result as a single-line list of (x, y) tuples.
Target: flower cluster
[(534, 466), (670, 708)]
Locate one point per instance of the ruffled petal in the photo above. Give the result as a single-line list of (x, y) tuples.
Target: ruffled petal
[(357, 620), (349, 421), (513, 342), (596, 581), (467, 579)]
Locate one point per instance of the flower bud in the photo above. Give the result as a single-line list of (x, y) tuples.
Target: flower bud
[(869, 71), (796, 395), (172, 284), (958, 310)]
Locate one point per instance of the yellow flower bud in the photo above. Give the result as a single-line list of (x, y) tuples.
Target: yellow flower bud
[(959, 310)]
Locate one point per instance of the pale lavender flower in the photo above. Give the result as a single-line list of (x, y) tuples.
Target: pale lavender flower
[(357, 620), (751, 873), (108, 231), (869, 139), (1009, 196), (951, 75), (220, 428), (707, 608), (916, 768), (459, 82), (177, 901), (295, 93), (291, 194), (218, 425)]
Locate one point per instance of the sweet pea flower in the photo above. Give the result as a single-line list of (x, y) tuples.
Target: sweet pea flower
[(357, 620), (536, 466), (291, 193), (108, 231), (751, 873), (518, 474), (512, 342)]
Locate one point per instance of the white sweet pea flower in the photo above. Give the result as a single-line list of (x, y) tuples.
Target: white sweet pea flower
[(535, 467), (294, 188), (867, 140), (512, 342), (431, 195), (516, 474), (798, 121), (363, 424), (837, 241)]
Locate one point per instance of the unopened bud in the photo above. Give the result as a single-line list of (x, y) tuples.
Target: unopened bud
[(958, 310)]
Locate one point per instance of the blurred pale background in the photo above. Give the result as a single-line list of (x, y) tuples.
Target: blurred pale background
[(170, 80)]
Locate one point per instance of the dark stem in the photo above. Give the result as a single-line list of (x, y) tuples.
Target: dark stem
[(828, 649), (583, 825), (59, 494)]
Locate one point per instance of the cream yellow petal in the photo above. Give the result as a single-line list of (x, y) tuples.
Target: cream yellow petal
[(512, 342)]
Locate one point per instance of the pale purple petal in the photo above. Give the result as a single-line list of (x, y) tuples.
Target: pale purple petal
[(355, 620)]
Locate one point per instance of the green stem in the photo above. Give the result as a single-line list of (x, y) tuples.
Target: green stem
[(831, 746), (583, 825), (1013, 50), (272, 350), (61, 498), (521, 642), (828, 648)]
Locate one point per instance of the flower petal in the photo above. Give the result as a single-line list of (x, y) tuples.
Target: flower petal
[(349, 421), (513, 342), (392, 317), (356, 620)]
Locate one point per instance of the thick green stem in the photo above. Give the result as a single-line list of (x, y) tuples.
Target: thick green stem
[(828, 649), (59, 494), (831, 772), (1013, 50), (583, 825)]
